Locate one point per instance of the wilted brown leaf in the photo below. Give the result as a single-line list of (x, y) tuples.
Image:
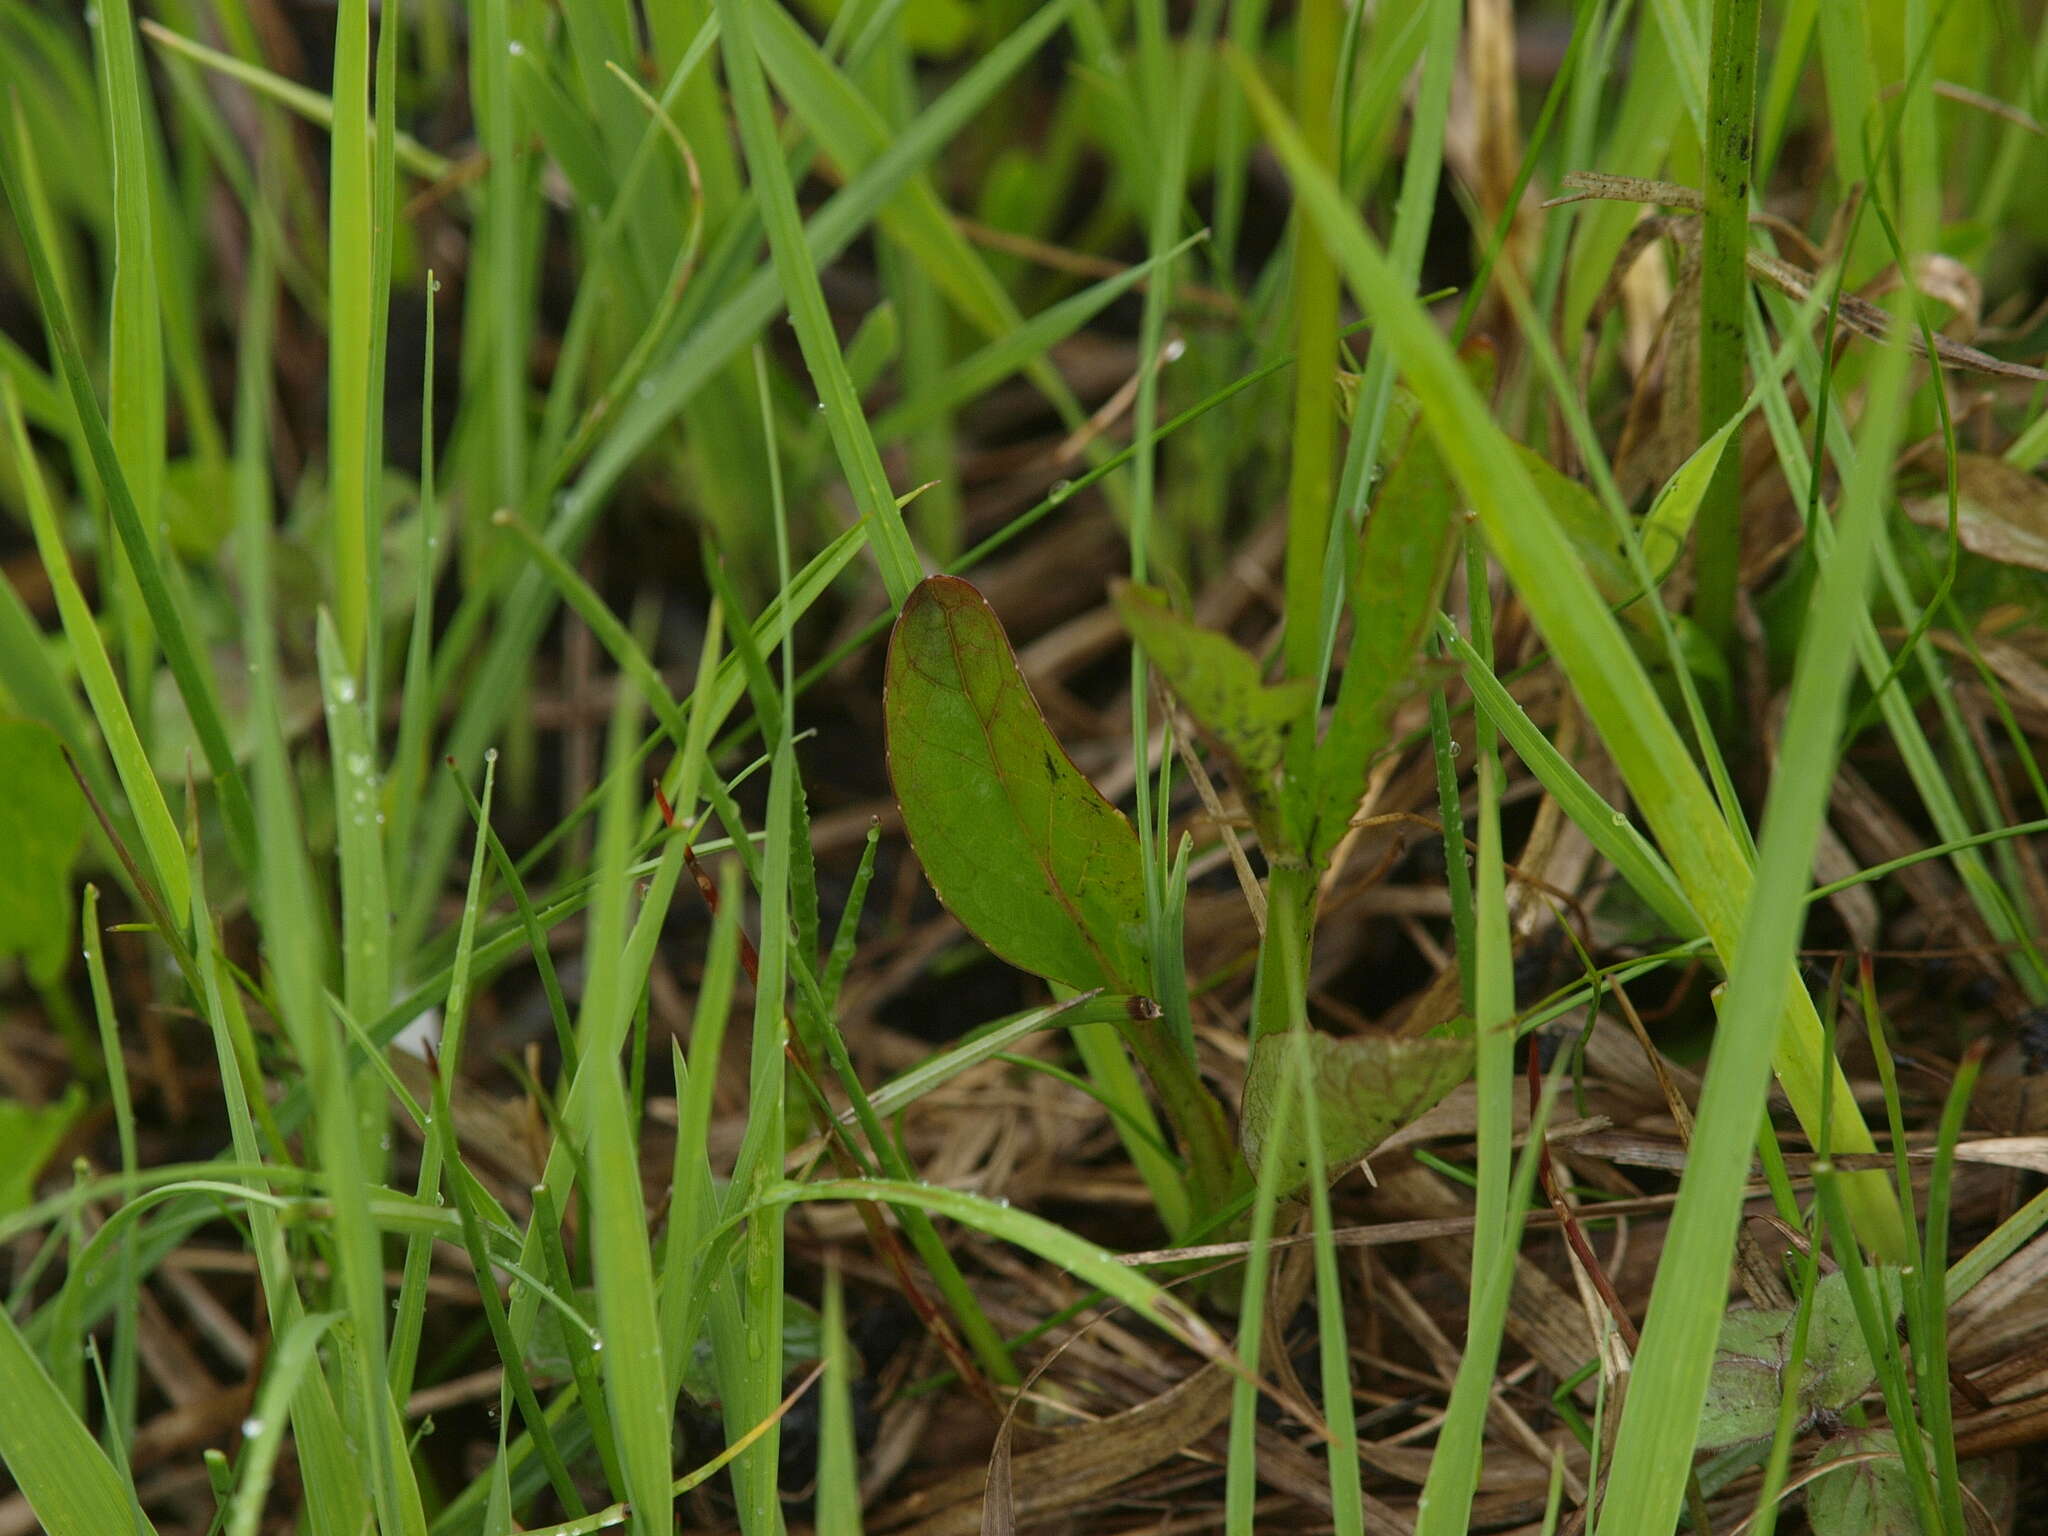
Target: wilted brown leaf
[(2001, 511)]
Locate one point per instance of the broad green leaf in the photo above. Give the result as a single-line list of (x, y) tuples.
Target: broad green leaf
[(1367, 1087), (1399, 570), (58, 1466), (1019, 846), (1870, 1496), (1748, 1379), (1221, 686), (30, 1133), (42, 823)]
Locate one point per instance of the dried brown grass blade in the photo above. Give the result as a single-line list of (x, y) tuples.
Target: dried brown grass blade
[(1861, 316)]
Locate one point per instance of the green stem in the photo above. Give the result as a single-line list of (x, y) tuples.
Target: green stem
[(1279, 998), (1214, 1168), (1724, 291)]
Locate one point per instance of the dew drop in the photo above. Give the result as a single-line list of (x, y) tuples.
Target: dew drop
[(516, 48), (1059, 490), (1618, 819), (596, 1344), (251, 1428), (345, 690), (1456, 749)]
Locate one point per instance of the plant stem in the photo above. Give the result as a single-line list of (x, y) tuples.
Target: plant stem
[(1284, 951), (1193, 1112), (1724, 291)]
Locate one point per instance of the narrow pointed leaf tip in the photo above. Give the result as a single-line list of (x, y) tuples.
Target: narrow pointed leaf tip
[(1016, 842)]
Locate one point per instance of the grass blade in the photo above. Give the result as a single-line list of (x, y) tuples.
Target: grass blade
[(806, 299), (68, 1481)]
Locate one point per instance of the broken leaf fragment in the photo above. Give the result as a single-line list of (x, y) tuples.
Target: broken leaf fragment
[(1366, 1087)]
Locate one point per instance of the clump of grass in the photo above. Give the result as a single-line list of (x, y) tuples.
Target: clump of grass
[(430, 575)]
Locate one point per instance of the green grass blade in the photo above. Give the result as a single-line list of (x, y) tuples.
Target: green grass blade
[(66, 1478), (365, 901), (409, 770), (1006, 354), (161, 841), (1082, 1259), (350, 220), (135, 394), (806, 299), (120, 1425), (622, 1265), (838, 1495), (498, 265), (1454, 1468), (749, 1365), (412, 1293), (290, 1363), (412, 156), (1610, 830)]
